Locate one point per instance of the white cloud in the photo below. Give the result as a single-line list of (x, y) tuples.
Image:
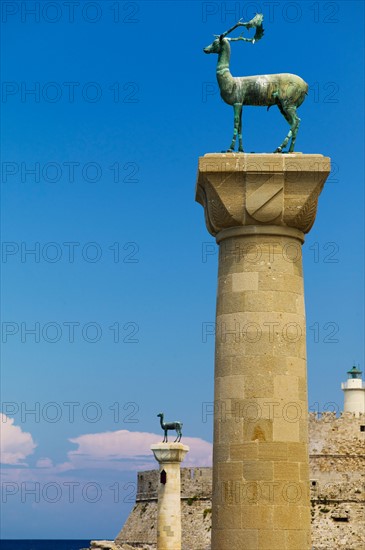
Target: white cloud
[(44, 463), (101, 457), (125, 450), (15, 445), (119, 450)]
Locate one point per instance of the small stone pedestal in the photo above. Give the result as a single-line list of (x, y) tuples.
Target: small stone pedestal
[(259, 206), (169, 456)]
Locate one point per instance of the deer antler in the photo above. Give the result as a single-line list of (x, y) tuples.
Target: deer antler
[(255, 22)]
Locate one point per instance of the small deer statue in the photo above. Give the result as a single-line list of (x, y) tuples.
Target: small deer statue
[(287, 91), (170, 426)]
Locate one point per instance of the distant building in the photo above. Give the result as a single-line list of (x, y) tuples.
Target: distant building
[(354, 390)]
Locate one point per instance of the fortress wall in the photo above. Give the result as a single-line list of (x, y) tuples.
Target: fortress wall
[(140, 527), (337, 466), (194, 481), (331, 435), (337, 448)]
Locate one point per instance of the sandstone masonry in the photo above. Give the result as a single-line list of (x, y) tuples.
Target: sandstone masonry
[(263, 203)]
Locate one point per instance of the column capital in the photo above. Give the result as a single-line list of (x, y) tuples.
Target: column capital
[(169, 452), (240, 190)]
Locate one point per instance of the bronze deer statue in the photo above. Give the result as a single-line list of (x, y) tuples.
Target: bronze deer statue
[(287, 91), (170, 426)]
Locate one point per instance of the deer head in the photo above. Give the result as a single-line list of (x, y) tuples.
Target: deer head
[(214, 47)]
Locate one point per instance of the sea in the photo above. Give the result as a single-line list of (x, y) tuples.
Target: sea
[(44, 544)]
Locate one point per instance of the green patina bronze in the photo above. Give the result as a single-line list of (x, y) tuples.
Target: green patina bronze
[(170, 426), (285, 90)]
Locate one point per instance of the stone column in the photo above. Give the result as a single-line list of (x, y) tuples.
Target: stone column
[(259, 206), (169, 456)]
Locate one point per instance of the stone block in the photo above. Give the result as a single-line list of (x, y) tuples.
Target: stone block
[(285, 431), (273, 451), (295, 540), (229, 539), (257, 470), (259, 430), (288, 471), (271, 539), (231, 471), (245, 281), (286, 517), (257, 516), (297, 452), (229, 514), (244, 451)]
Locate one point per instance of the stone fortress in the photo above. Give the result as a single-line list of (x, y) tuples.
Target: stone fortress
[(337, 487)]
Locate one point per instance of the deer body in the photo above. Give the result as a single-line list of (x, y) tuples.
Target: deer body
[(170, 426), (285, 90)]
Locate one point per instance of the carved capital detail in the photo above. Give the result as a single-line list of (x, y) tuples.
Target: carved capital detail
[(239, 190)]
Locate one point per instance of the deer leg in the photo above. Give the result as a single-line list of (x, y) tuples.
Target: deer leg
[(237, 116), (287, 114), (295, 130), (240, 145)]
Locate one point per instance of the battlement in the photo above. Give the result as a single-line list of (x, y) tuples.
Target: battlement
[(195, 482), (332, 416)]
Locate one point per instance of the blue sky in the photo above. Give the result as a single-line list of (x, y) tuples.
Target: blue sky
[(118, 287)]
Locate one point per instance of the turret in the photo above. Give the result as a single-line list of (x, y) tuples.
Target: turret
[(354, 390)]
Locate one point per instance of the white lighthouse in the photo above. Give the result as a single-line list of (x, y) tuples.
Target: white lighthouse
[(354, 390)]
